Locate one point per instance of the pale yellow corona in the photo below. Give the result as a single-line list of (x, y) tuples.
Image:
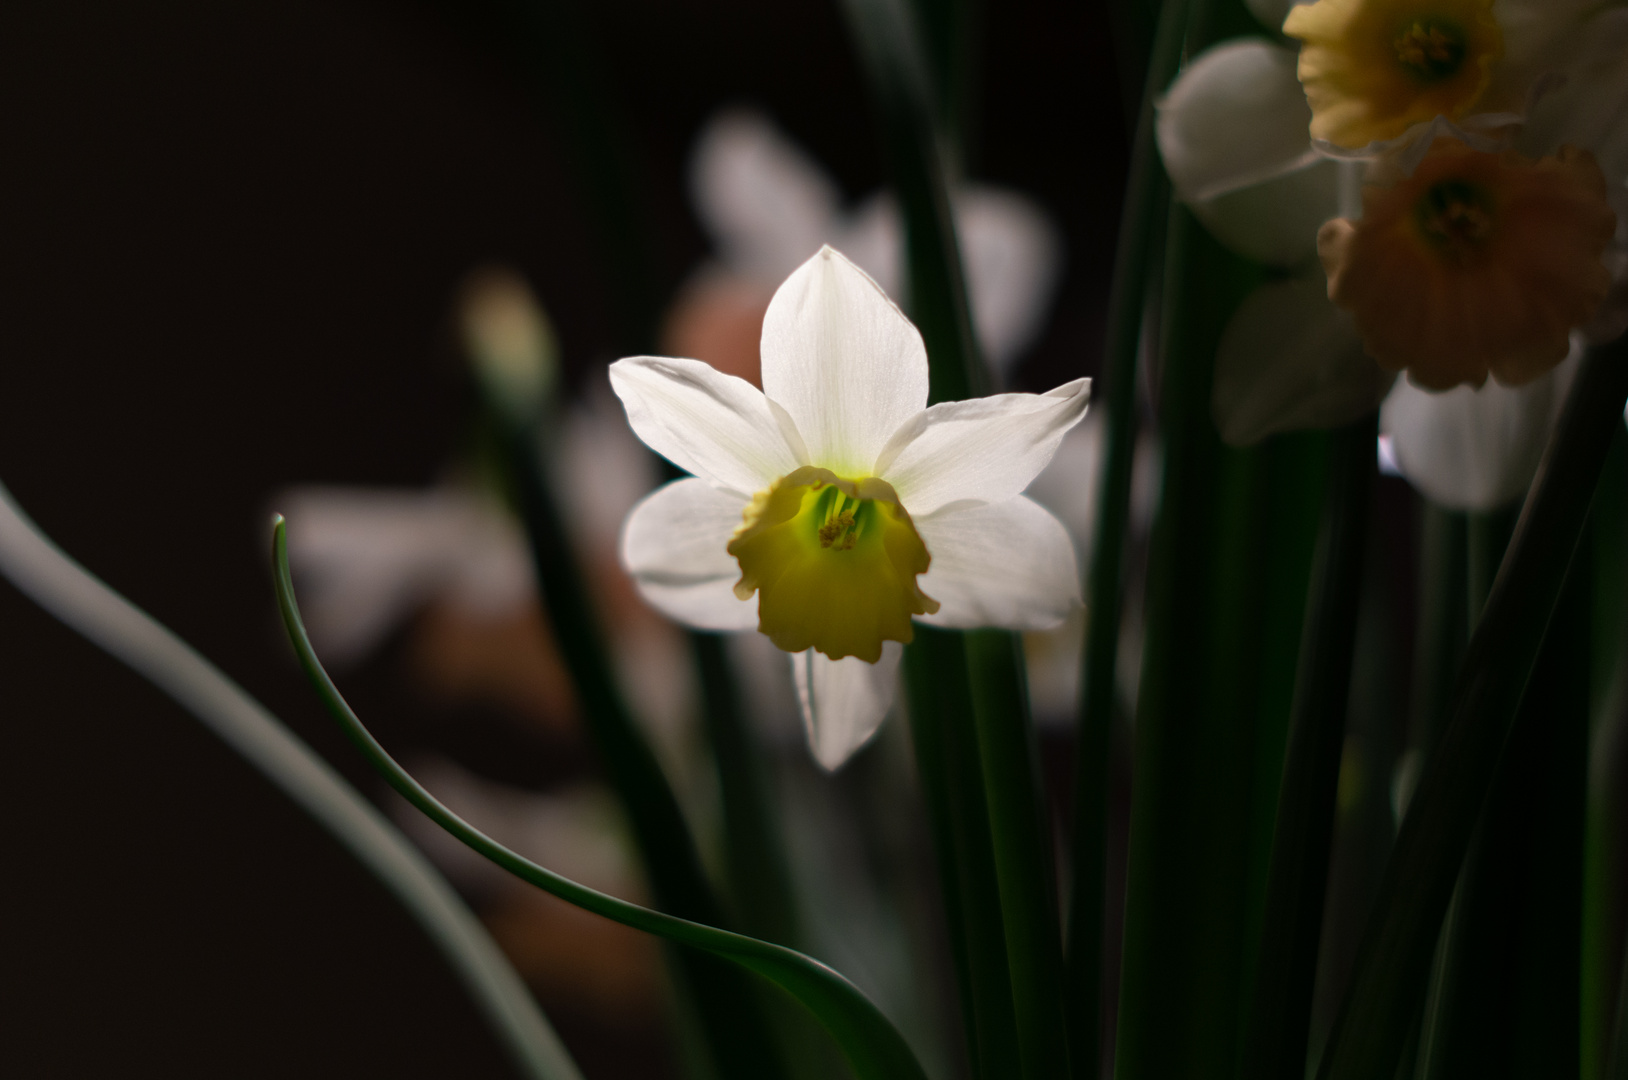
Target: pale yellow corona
[(1374, 68), (834, 563)]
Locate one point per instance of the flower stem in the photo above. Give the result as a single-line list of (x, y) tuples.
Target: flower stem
[(1147, 198), (1388, 982), (1021, 836), (944, 731), (760, 881), (1275, 1041), (1508, 993), (68, 591)]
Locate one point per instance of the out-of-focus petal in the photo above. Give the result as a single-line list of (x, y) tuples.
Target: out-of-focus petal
[(872, 238), (1469, 449), (674, 545), (1010, 250), (981, 450), (1290, 360), (767, 204), (367, 557), (1067, 486), (1590, 106), (843, 362), (1233, 132), (716, 426), (1009, 564), (599, 468), (843, 701), (1013, 257)]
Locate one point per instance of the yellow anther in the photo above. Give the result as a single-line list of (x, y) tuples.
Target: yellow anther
[(1433, 49)]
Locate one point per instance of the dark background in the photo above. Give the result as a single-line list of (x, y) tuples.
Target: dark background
[(229, 239)]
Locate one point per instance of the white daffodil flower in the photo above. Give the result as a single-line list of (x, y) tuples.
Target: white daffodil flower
[(833, 507), (767, 204)]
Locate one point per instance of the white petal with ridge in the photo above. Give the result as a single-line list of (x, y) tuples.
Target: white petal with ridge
[(981, 450), (674, 546), (1010, 564), (844, 701), (843, 362), (716, 426)]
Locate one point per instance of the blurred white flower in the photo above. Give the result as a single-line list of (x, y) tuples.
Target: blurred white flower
[(1474, 448), (367, 558), (833, 490), (768, 206), (1232, 131)]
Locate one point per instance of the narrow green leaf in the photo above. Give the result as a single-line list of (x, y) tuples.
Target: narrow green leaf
[(1146, 208), (1022, 843), (759, 878), (1275, 1043), (41, 570), (900, 79), (873, 1047), (944, 731), (1388, 983), (1443, 625), (1199, 726), (1605, 877), (1507, 998), (1617, 1064)]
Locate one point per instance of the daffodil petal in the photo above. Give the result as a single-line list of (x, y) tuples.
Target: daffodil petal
[(1469, 449), (715, 426), (1010, 564), (367, 557), (1013, 258), (843, 701), (1288, 360), (674, 546), (981, 450), (1233, 133), (843, 361)]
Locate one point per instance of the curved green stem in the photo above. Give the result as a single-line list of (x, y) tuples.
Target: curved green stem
[(68, 591), (873, 1047)]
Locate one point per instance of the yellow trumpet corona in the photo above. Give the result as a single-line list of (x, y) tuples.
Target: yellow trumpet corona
[(834, 563), (1374, 68)]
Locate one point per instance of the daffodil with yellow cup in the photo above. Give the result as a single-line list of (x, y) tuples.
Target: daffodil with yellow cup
[(833, 508), (1374, 70)]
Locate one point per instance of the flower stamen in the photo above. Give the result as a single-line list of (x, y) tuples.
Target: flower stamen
[(1456, 217), (1432, 49)]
